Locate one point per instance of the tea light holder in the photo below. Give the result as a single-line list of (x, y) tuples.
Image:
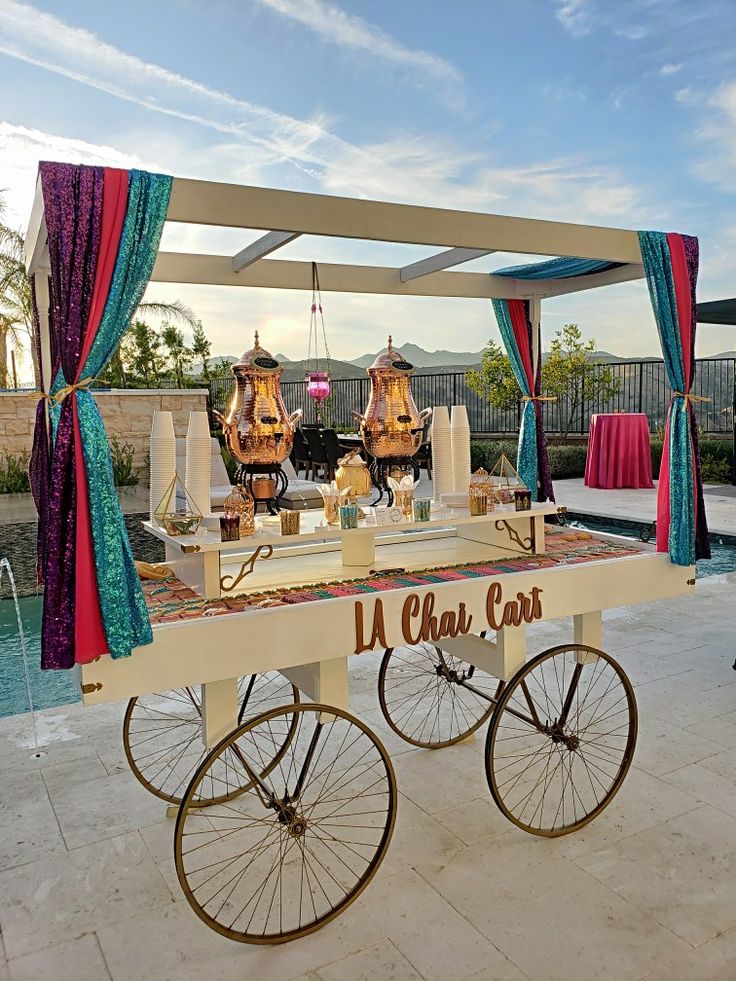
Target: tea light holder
[(422, 509), (522, 499), (348, 516), (403, 500), (290, 521), (478, 504), (230, 527)]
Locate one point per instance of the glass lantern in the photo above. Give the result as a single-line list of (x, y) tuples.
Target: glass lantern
[(240, 504)]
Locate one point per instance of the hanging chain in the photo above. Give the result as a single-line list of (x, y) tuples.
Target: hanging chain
[(314, 325)]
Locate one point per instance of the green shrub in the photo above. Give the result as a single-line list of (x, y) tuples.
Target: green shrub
[(123, 472), (717, 471), (567, 461), (486, 453), (14, 473)]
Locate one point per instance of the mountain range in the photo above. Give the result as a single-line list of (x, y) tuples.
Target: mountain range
[(426, 362)]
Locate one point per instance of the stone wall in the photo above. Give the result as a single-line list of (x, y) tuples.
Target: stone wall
[(127, 414)]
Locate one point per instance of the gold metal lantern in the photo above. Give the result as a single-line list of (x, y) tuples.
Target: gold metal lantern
[(481, 486), (240, 504)]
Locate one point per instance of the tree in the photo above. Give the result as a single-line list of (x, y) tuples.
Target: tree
[(180, 356), (141, 352), (201, 347), (571, 374), (16, 314), (495, 380)]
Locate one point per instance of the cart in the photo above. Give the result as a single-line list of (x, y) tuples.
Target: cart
[(238, 715)]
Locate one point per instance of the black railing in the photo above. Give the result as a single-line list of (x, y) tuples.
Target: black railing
[(642, 387)]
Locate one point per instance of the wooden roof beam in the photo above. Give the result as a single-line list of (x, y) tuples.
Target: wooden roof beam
[(262, 247), (442, 260)]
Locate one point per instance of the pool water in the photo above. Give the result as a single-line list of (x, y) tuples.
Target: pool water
[(723, 552), (48, 688), (51, 688)]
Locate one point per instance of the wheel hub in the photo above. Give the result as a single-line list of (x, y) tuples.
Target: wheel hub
[(295, 823), (558, 735)]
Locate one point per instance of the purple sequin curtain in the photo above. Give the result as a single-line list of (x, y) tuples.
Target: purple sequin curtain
[(73, 209), (39, 469)]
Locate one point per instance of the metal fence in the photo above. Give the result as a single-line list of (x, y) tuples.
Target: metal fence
[(642, 387)]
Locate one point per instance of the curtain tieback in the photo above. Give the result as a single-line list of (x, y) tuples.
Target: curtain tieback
[(59, 397), (688, 397), (538, 398)]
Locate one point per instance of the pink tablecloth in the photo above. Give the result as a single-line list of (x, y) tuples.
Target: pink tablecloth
[(619, 453)]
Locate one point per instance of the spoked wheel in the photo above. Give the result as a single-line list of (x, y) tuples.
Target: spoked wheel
[(432, 699), (561, 739), (301, 840), (162, 733)]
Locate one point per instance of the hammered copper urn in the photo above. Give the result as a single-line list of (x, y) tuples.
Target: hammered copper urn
[(391, 426), (258, 429)]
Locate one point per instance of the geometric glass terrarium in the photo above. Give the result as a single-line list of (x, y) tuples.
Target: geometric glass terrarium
[(505, 480), (176, 512)]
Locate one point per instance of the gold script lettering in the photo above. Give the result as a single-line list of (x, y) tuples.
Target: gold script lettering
[(378, 631), (429, 627), (523, 609)]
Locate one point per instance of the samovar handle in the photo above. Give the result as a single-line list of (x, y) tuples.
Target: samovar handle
[(220, 419), (295, 417), (357, 415), (424, 415)]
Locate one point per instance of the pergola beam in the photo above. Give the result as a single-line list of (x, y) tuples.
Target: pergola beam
[(286, 274), (233, 205), (442, 260), (262, 247)]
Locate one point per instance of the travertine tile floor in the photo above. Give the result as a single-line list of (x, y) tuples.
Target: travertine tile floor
[(88, 891)]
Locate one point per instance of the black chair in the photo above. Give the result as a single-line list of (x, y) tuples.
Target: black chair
[(317, 453), (333, 449), (300, 453), (423, 455)]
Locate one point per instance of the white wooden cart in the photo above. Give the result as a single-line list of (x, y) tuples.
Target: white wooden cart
[(290, 812), (285, 807)]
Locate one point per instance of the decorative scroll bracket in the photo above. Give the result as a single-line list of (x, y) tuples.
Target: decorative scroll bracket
[(263, 551), (525, 544)]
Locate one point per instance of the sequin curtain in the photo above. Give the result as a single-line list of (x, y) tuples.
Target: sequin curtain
[(532, 463), (671, 268), (73, 207), (121, 599)]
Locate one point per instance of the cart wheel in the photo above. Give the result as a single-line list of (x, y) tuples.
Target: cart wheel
[(162, 733), (561, 739), (301, 840), (432, 699)]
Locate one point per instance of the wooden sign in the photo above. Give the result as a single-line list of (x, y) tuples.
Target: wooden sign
[(421, 621)]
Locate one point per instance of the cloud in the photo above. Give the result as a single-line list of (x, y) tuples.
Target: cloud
[(714, 128), (670, 68), (41, 39), (576, 16), (335, 26)]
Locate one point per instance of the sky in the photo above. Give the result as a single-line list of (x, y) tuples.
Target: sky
[(613, 113)]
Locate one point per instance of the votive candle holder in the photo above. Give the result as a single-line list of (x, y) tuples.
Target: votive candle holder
[(348, 516), (229, 528), (421, 508), (522, 499), (290, 521)]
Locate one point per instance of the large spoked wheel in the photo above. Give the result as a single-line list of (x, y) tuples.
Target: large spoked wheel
[(162, 733), (431, 698), (561, 739), (301, 840)]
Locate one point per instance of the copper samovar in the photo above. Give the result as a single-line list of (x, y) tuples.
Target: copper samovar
[(391, 426), (257, 427)]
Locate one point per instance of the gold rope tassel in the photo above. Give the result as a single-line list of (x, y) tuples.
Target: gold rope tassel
[(538, 398), (688, 398), (59, 397)]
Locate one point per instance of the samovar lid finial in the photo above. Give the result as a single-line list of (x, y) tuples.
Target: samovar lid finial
[(257, 345)]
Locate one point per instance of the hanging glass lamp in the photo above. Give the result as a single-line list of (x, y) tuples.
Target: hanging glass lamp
[(318, 366)]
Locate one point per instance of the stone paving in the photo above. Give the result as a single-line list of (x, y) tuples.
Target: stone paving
[(647, 891)]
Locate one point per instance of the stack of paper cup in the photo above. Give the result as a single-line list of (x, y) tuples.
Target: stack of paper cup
[(199, 461), (162, 457), (460, 444), (441, 452)]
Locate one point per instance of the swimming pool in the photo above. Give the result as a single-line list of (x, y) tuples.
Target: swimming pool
[(51, 688)]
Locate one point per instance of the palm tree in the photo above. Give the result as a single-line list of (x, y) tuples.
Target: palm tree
[(15, 297), (16, 306)]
